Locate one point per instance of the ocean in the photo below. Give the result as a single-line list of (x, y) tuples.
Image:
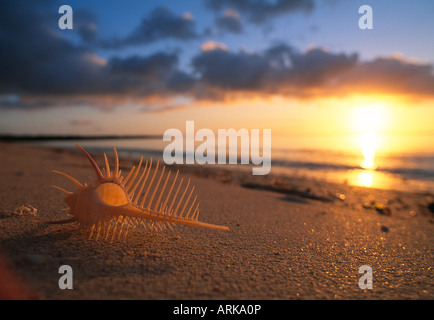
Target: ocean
[(399, 171)]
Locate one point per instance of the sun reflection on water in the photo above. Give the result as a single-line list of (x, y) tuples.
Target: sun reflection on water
[(368, 150), (365, 178)]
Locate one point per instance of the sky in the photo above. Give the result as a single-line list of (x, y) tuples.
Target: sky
[(300, 67)]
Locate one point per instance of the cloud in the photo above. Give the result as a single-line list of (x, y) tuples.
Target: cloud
[(161, 23), (259, 11), (163, 108), (81, 122), (318, 67), (229, 22), (283, 70), (213, 45), (142, 75), (278, 69), (41, 69), (187, 16), (37, 59), (155, 66), (85, 23), (232, 71), (393, 75), (14, 101), (180, 81)]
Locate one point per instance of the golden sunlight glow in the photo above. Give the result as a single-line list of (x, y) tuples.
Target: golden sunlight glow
[(371, 117), (368, 150), (369, 120), (213, 45), (365, 178)]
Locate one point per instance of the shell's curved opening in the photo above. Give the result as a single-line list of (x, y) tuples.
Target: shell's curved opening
[(111, 194)]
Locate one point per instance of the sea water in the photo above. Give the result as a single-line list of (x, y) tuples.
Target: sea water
[(394, 170)]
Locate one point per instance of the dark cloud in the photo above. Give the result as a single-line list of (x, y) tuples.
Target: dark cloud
[(40, 68), (232, 71), (317, 67), (163, 108), (161, 23), (285, 71), (13, 101), (259, 11), (34, 58), (229, 22), (392, 75), (157, 66), (279, 69), (85, 22), (141, 75), (180, 81), (81, 122)]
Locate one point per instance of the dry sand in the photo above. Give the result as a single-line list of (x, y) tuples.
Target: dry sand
[(287, 242)]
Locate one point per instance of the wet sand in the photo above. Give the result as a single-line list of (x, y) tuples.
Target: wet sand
[(289, 238)]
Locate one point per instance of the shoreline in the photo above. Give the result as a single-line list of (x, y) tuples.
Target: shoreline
[(289, 238), (243, 172)]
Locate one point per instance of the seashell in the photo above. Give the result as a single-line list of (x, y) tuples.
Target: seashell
[(26, 210), (113, 203)]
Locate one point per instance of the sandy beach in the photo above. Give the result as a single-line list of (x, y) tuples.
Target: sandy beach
[(289, 238)]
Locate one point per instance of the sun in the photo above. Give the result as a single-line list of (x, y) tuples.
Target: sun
[(368, 121), (370, 118), (369, 143)]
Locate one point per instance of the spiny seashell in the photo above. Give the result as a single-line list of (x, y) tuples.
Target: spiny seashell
[(112, 206)]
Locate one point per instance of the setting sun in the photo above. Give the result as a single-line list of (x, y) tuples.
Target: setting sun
[(369, 121), (369, 118), (368, 149)]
